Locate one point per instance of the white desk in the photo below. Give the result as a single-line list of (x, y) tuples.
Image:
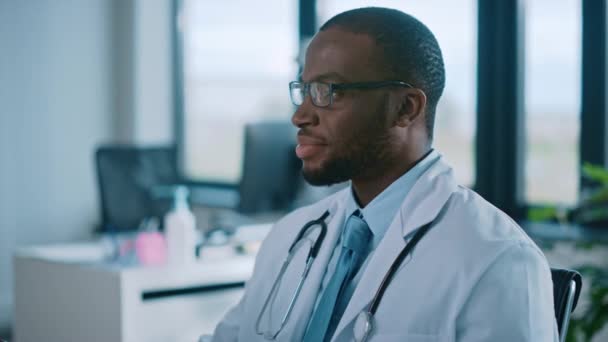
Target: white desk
[(65, 293)]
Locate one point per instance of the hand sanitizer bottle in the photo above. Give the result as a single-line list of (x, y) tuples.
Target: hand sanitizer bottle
[(180, 230)]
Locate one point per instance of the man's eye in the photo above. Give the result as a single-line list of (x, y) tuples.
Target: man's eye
[(337, 95)]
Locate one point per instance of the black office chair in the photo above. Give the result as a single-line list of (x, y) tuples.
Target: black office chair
[(566, 290), (126, 176)]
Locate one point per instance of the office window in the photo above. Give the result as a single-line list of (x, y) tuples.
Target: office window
[(455, 27), (552, 100), (238, 58)]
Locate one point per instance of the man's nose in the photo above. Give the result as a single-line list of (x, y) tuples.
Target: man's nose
[(305, 114)]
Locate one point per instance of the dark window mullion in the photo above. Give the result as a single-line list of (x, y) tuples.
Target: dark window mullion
[(500, 121), (307, 24), (307, 18), (593, 144)]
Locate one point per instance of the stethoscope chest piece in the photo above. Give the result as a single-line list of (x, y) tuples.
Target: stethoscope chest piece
[(363, 326)]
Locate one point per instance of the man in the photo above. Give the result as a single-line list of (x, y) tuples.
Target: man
[(366, 106)]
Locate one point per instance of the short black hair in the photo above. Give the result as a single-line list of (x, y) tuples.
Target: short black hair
[(409, 49)]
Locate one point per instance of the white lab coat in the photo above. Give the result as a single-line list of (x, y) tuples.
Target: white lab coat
[(475, 276)]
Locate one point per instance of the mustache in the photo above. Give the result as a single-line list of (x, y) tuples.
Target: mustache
[(303, 132), (306, 134)]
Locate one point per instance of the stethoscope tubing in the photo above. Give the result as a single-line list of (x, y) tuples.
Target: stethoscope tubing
[(390, 274), (368, 315), (312, 254)]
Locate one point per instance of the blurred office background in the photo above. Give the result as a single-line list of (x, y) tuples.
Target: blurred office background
[(524, 107)]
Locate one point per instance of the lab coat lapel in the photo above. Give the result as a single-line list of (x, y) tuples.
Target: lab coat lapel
[(421, 206)]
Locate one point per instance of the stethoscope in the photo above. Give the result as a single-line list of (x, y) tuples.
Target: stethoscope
[(312, 254), (364, 323)]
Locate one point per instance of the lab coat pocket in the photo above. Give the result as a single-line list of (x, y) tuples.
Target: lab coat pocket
[(405, 337)]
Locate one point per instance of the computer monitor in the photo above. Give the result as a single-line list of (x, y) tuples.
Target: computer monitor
[(266, 176), (127, 176), (271, 170)]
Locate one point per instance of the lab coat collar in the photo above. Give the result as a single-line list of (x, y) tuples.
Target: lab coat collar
[(427, 197), (380, 212), (421, 206)]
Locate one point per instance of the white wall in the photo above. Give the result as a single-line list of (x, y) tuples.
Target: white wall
[(71, 78)]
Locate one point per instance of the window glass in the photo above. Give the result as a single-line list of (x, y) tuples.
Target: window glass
[(455, 27), (552, 100), (238, 58)]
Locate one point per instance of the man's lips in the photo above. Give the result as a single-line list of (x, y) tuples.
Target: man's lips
[(308, 146), (310, 140), (307, 151)]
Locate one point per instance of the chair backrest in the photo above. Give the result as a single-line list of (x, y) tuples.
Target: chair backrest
[(566, 290), (126, 175)]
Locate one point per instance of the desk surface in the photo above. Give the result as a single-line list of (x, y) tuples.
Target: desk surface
[(70, 292), (92, 256)]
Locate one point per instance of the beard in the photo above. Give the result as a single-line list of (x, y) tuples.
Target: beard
[(363, 154)]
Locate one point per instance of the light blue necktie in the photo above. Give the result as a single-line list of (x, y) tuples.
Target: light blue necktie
[(355, 243)]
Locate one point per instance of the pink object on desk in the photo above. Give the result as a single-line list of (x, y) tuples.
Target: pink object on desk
[(151, 248)]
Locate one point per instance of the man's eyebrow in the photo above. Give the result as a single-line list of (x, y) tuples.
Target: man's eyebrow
[(328, 77)]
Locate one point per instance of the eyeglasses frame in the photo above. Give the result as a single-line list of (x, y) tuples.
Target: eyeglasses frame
[(344, 86)]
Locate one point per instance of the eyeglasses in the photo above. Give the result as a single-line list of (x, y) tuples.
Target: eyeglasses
[(322, 94)]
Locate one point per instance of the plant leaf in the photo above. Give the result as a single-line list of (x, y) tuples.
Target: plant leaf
[(542, 213), (595, 173)]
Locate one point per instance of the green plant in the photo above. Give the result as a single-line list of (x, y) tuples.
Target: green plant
[(592, 210)]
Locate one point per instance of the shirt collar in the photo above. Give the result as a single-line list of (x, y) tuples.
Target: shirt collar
[(379, 213)]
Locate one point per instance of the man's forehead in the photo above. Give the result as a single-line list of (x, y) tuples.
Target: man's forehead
[(339, 55)]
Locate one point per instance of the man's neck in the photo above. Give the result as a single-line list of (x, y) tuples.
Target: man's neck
[(366, 189)]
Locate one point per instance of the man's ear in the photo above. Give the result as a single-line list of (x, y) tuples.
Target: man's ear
[(410, 106)]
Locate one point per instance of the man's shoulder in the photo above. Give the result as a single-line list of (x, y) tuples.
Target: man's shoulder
[(483, 222), (477, 233)]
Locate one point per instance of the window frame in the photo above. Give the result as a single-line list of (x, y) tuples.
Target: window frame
[(500, 136)]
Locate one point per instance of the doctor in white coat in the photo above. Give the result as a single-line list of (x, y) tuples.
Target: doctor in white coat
[(366, 105)]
